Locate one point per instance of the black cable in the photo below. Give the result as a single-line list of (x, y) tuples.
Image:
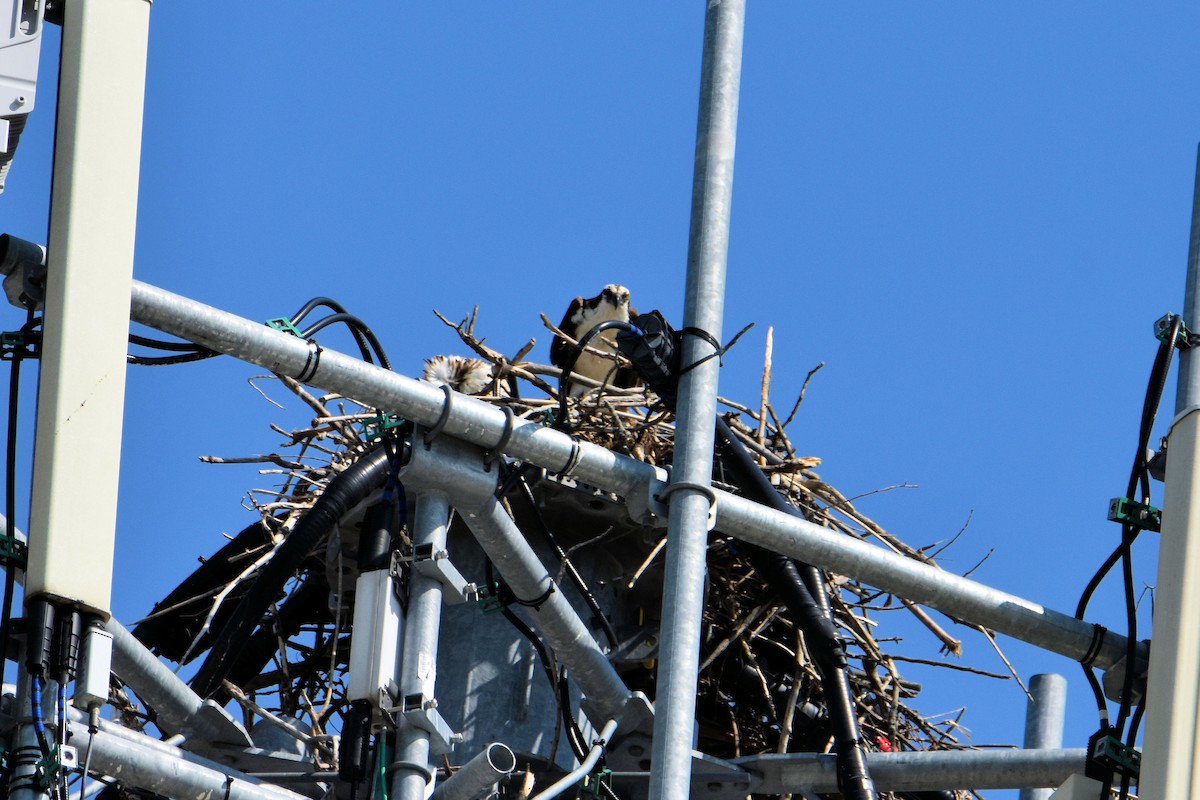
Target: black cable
[(160, 344), (360, 331), (543, 656), (1139, 488), (799, 586), (316, 302), (167, 361), (585, 592), (574, 734), (569, 367), (10, 492), (333, 306)]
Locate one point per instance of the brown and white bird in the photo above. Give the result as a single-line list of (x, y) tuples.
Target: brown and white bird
[(466, 375), (582, 315)]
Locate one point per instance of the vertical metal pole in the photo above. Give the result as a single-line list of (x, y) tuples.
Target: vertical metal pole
[(1044, 721), (93, 216), (1173, 696), (708, 244), (413, 776)]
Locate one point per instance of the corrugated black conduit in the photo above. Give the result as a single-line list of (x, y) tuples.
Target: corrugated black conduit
[(801, 588), (343, 492)]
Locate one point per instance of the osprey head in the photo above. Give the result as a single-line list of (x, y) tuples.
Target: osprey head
[(615, 295)]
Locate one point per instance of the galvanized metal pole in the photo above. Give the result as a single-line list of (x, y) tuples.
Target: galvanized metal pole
[(1044, 721), (418, 667), (140, 761), (691, 498), (469, 781), (916, 771), (177, 709), (1173, 695)]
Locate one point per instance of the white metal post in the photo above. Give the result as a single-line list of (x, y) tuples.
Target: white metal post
[(1173, 696), (93, 216)]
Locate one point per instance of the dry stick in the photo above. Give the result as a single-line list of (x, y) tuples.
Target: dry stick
[(949, 643), (953, 539), (992, 641), (789, 714), (765, 393), (646, 563), (947, 665), (737, 632), (349, 433), (803, 389), (762, 679), (219, 599), (779, 436)]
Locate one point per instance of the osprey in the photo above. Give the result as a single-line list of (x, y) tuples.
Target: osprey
[(466, 375), (582, 315)]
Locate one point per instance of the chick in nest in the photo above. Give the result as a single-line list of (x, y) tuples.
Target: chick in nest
[(462, 374)]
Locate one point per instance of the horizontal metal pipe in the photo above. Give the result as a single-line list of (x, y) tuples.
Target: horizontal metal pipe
[(483, 424), (918, 771), (469, 419), (488, 766), (917, 581), (178, 709), (139, 761)]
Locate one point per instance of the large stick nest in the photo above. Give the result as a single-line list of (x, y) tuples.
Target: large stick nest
[(758, 690)]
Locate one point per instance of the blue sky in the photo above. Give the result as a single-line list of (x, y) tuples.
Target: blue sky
[(971, 213)]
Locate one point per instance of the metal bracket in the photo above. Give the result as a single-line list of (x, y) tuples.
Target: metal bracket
[(1112, 753), (62, 757), (284, 325), (1131, 512), (376, 428), (27, 343), (649, 509), (436, 564), (13, 552), (1184, 339), (421, 712)]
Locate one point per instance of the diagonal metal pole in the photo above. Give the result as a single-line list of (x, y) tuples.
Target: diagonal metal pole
[(691, 495)]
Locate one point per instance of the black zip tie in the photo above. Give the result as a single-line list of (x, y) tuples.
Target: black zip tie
[(572, 460), (490, 456), (718, 350), (311, 362), (440, 425), (537, 602), (1089, 658)]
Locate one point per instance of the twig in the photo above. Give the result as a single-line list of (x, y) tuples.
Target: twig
[(765, 392), (803, 389)]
